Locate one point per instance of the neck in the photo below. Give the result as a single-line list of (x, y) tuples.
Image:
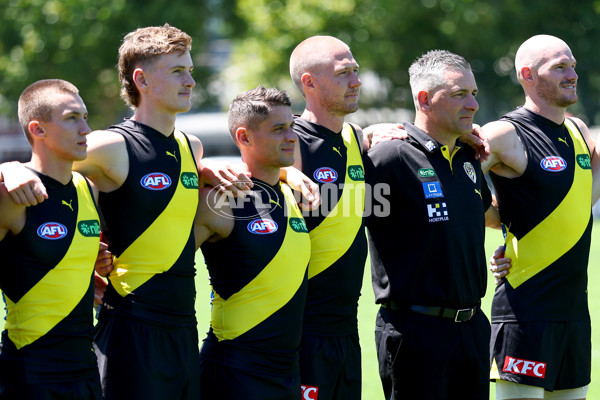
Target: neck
[(320, 117), (267, 174), (445, 138), (161, 121), (56, 169), (553, 113)]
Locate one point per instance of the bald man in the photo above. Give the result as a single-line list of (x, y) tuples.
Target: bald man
[(326, 73), (541, 166)]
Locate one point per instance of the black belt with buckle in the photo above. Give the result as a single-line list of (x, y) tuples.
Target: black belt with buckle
[(458, 315)]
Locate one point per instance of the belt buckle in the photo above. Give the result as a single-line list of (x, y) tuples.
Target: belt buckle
[(469, 312)]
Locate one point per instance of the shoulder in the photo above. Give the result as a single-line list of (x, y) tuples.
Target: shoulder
[(496, 129)]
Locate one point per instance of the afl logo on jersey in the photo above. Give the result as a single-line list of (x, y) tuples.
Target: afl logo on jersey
[(156, 181), (325, 175), (262, 226), (553, 164), (52, 231)]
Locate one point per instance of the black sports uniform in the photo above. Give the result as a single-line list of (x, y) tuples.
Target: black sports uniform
[(540, 319), (330, 357), (259, 292), (147, 335), (429, 268), (48, 287)]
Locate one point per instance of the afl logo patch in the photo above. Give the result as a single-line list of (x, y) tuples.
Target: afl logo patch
[(262, 226), (553, 164), (52, 231), (325, 175), (156, 181)]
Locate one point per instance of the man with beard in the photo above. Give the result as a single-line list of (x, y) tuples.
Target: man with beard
[(326, 73), (541, 165)]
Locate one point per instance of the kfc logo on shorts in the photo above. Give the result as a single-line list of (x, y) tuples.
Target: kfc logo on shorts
[(309, 392), (524, 367), (553, 164)]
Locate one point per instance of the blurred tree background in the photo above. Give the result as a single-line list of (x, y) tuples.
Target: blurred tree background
[(239, 44)]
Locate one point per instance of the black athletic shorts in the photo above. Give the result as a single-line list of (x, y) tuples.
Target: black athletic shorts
[(552, 355), (220, 382), (144, 361), (84, 389), (425, 357), (330, 367)]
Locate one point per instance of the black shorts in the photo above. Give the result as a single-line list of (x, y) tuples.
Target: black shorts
[(424, 357), (220, 382), (552, 355), (84, 389), (330, 367), (143, 361)]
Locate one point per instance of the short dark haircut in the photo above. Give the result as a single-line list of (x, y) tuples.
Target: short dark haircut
[(36, 101), (252, 107)]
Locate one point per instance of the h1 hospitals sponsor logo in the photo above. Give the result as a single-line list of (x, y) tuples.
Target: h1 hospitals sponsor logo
[(356, 173), (262, 226), (309, 392), (325, 175), (52, 231), (189, 180), (524, 367), (298, 225), (437, 212), (432, 189), (553, 164), (156, 181)]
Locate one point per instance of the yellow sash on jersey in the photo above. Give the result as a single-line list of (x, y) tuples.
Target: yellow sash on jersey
[(62, 288), (157, 249), (332, 238), (272, 288), (560, 230)]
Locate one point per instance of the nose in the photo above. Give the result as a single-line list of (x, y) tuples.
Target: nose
[(355, 83), (291, 136), (190, 82), (572, 74), (472, 104), (85, 128)]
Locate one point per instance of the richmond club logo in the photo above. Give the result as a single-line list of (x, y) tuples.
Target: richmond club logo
[(325, 175), (262, 226), (52, 231), (156, 181), (553, 164)]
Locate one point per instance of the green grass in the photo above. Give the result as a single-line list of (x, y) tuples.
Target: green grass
[(367, 311)]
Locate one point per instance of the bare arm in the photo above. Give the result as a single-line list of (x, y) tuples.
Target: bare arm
[(12, 214), (507, 155), (214, 219), (594, 158)]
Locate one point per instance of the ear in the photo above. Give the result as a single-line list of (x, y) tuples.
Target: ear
[(307, 81), (424, 100), (140, 79), (36, 128), (242, 136), (527, 74)]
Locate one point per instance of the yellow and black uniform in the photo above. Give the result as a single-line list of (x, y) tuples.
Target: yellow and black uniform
[(147, 333), (48, 288), (540, 319), (429, 268), (258, 276), (330, 358)]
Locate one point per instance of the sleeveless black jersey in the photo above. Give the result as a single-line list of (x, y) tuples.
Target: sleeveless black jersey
[(547, 213), (48, 287), (258, 276), (427, 244), (148, 224), (339, 245)]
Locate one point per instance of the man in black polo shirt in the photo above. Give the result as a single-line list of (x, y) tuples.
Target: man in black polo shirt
[(428, 258)]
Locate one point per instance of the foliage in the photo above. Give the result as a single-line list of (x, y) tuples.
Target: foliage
[(387, 35), (77, 40)]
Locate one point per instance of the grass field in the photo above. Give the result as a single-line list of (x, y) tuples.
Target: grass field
[(367, 311)]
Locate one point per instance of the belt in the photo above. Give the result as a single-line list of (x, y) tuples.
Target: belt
[(458, 315)]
